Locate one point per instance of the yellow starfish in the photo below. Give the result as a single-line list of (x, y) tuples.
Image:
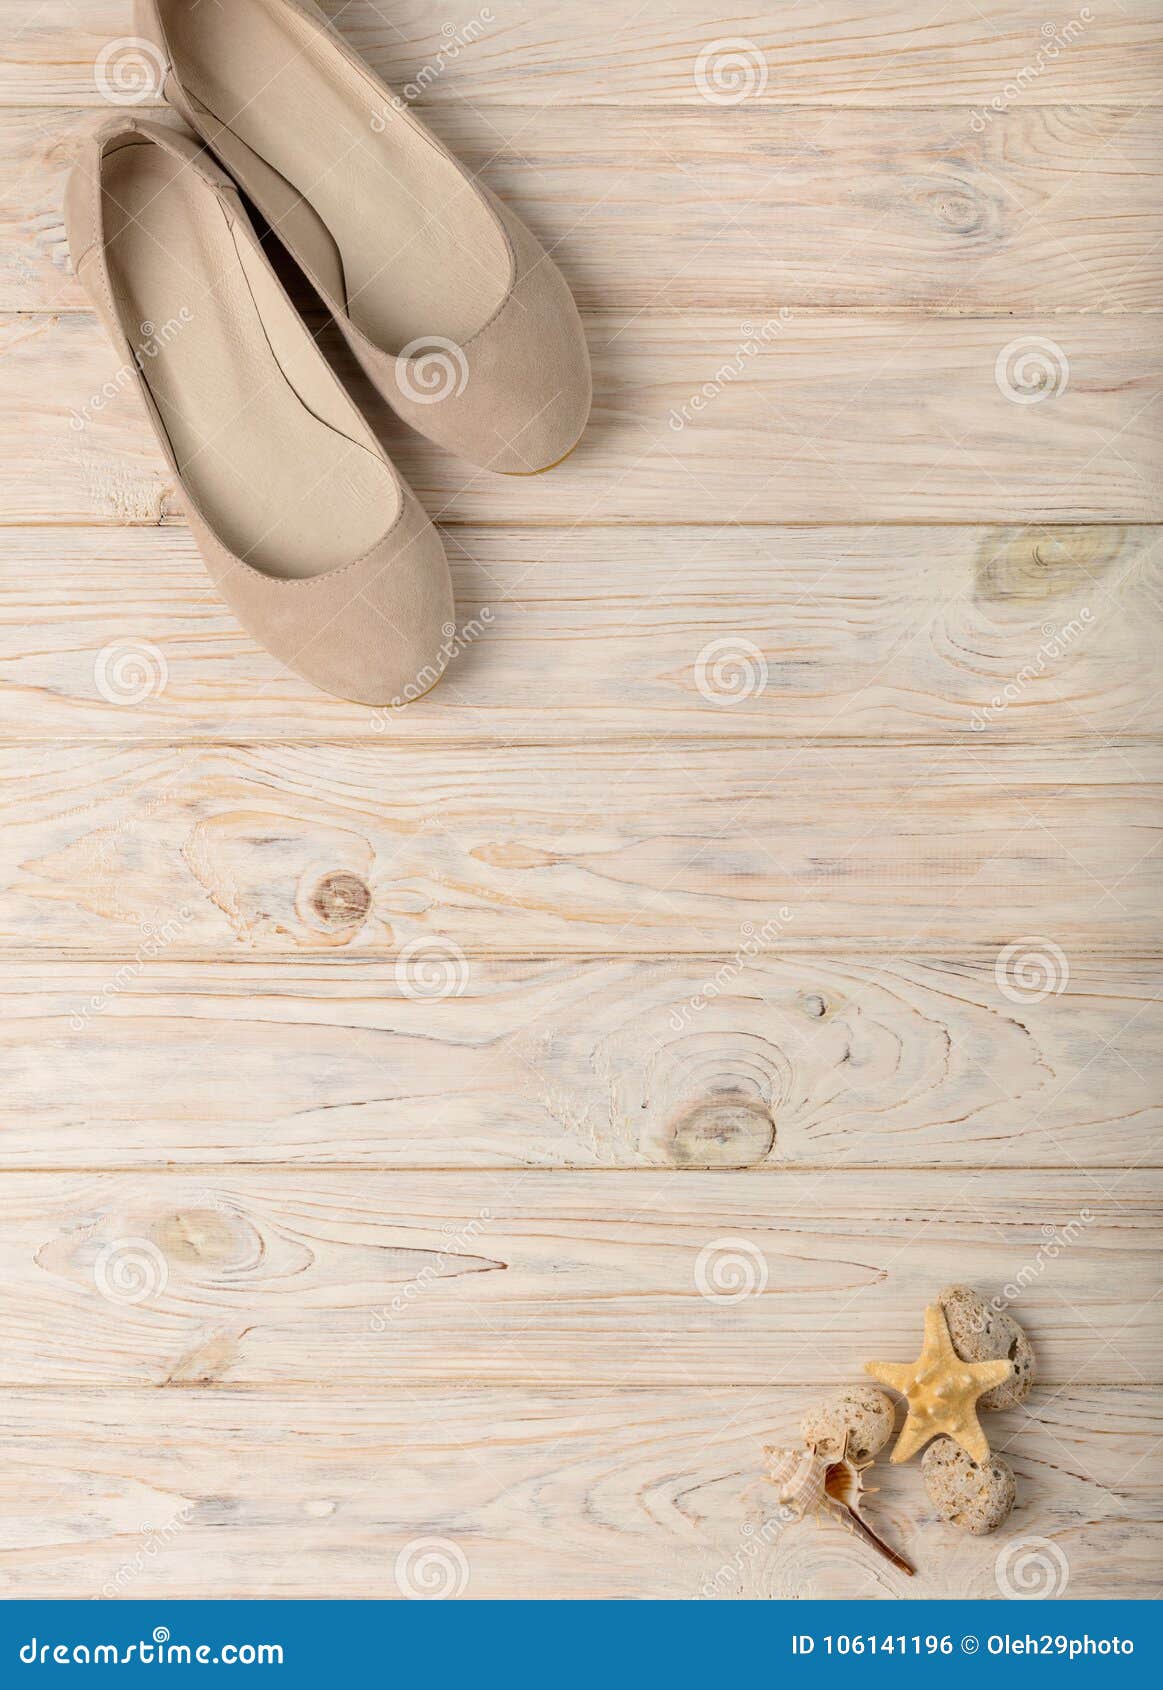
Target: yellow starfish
[(942, 1391)]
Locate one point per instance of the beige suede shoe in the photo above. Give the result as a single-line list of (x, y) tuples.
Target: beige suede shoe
[(453, 308), (309, 533)]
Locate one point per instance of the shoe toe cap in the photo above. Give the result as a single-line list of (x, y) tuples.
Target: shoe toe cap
[(378, 631)]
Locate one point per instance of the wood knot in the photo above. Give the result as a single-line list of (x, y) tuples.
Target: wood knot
[(961, 207), (958, 211), (207, 1238), (1028, 565), (732, 1131), (341, 900)]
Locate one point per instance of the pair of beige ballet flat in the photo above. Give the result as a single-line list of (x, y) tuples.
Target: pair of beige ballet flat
[(451, 306)]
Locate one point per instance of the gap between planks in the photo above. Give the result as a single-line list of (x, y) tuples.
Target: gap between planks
[(915, 424), (816, 53)]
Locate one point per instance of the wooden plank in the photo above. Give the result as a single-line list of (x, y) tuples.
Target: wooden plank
[(757, 1061), (317, 1278), (152, 852), (1044, 209), (196, 1495), (820, 418), (994, 633), (871, 52)]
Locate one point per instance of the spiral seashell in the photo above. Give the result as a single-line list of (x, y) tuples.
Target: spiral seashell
[(809, 1484), (799, 1477)]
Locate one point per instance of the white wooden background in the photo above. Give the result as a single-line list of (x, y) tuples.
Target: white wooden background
[(428, 1269)]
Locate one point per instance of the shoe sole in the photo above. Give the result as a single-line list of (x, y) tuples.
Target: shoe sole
[(527, 474)]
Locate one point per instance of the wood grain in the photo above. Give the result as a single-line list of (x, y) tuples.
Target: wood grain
[(629, 1494), (1044, 209), (829, 419), (819, 689), (944, 633), (820, 51), (752, 1061), (664, 1277), (652, 847)]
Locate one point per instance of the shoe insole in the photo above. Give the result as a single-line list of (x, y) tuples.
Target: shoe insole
[(261, 433), (421, 254)]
